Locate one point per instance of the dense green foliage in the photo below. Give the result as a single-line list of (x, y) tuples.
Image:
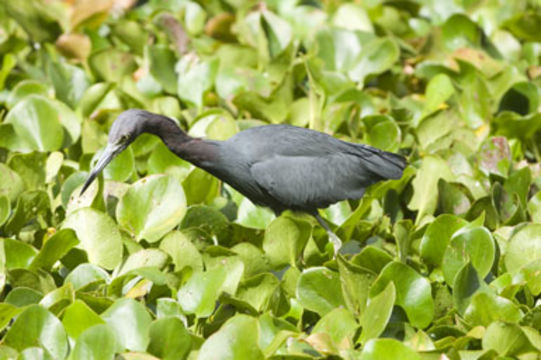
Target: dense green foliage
[(160, 260)]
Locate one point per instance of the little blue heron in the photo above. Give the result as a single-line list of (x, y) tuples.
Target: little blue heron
[(278, 166)]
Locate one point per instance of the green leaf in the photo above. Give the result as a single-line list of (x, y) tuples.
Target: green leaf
[(379, 349), (86, 274), (152, 207), (258, 290), (195, 78), (54, 248), (413, 292), (252, 216), (439, 89), (382, 132), (37, 326), (507, 339), (284, 241), (18, 254), (78, 317), (130, 321), (525, 26), (162, 66), (469, 244), (319, 290), (199, 294), (96, 342), (98, 236), (356, 282), (425, 186), (376, 57), (352, 17), (237, 339), (339, 324), (437, 236), (169, 339), (277, 31), (111, 64), (377, 313), (523, 247), (182, 251), (485, 308), (36, 122), (24, 89), (11, 183)]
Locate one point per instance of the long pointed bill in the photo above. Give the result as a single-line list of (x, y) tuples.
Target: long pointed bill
[(108, 154)]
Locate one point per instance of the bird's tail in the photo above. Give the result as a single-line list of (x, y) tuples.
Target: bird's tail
[(384, 164)]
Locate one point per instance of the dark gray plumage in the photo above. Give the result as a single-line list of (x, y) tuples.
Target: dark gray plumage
[(278, 166)]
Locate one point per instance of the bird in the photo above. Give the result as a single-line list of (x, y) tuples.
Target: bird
[(278, 166)]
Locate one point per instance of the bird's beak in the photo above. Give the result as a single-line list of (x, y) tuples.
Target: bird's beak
[(108, 154)]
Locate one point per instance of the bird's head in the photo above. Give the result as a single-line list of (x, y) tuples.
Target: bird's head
[(125, 129)]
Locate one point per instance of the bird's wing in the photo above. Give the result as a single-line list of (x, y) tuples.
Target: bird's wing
[(307, 182)]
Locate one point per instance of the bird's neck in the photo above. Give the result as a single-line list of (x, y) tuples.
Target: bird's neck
[(197, 151)]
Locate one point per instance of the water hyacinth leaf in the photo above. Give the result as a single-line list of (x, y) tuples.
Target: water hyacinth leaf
[(237, 339), (37, 326), (214, 125), (199, 294), (86, 274), (525, 26), (31, 168), (152, 207), (339, 324), (162, 67), (531, 273), (523, 247), (31, 205), (382, 132), (195, 78), (486, 308), (459, 31), (438, 91), (356, 282), (338, 48), (54, 248), (377, 313), (144, 258), (36, 123), (277, 31), (182, 251), (78, 317), (469, 244), (11, 183), (437, 237), (352, 17), (169, 339), (111, 64), (24, 89), (98, 235), (252, 216), (96, 342), (319, 290), (425, 185), (376, 57), (5, 209), (379, 349), (257, 290), (413, 292), (35, 20), (200, 187), (284, 240), (130, 321), (466, 283), (506, 339), (18, 254)]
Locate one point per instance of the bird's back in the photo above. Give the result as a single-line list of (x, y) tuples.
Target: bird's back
[(287, 167)]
